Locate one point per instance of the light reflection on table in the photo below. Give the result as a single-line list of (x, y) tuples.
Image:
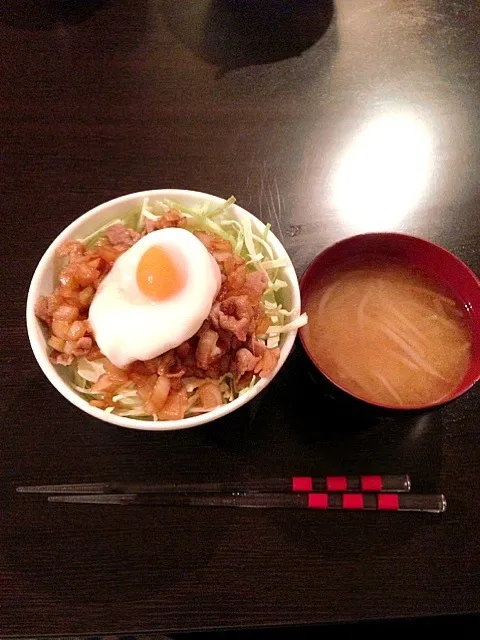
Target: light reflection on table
[(384, 173)]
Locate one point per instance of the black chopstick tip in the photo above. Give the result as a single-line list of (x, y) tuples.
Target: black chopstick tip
[(34, 489), (68, 498), (25, 489)]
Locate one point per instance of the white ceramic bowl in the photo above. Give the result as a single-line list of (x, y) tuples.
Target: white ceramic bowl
[(43, 284)]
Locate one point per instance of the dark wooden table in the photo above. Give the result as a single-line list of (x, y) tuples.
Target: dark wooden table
[(325, 121)]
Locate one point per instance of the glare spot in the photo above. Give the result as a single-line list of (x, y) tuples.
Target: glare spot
[(383, 174)]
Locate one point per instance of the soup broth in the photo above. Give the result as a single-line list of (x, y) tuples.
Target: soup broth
[(388, 334)]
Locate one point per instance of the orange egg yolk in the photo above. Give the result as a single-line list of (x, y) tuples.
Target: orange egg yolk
[(158, 275)]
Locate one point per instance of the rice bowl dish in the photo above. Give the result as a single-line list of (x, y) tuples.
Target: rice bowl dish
[(215, 339)]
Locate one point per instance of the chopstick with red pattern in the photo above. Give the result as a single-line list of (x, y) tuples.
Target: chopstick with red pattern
[(319, 501), (297, 484)]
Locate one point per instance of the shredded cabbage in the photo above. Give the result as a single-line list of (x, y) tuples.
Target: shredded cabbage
[(257, 253), (295, 324), (85, 390), (278, 284), (144, 212), (201, 219), (273, 341), (90, 371), (250, 386), (96, 235), (274, 264)]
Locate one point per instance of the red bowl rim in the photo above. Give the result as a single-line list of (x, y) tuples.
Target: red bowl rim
[(461, 389)]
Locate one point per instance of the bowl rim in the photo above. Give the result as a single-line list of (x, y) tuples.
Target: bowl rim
[(62, 387), (376, 234)]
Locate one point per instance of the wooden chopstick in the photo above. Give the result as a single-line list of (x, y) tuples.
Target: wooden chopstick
[(320, 501), (377, 483)]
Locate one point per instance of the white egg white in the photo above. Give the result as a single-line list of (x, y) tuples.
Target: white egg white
[(130, 326)]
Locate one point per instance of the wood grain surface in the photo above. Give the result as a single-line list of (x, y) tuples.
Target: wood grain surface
[(274, 102)]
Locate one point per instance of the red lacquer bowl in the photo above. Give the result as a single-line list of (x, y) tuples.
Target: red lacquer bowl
[(436, 262)]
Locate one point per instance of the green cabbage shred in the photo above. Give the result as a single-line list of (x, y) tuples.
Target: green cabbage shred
[(253, 248)]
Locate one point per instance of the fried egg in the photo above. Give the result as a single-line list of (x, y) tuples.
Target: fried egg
[(156, 296)]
